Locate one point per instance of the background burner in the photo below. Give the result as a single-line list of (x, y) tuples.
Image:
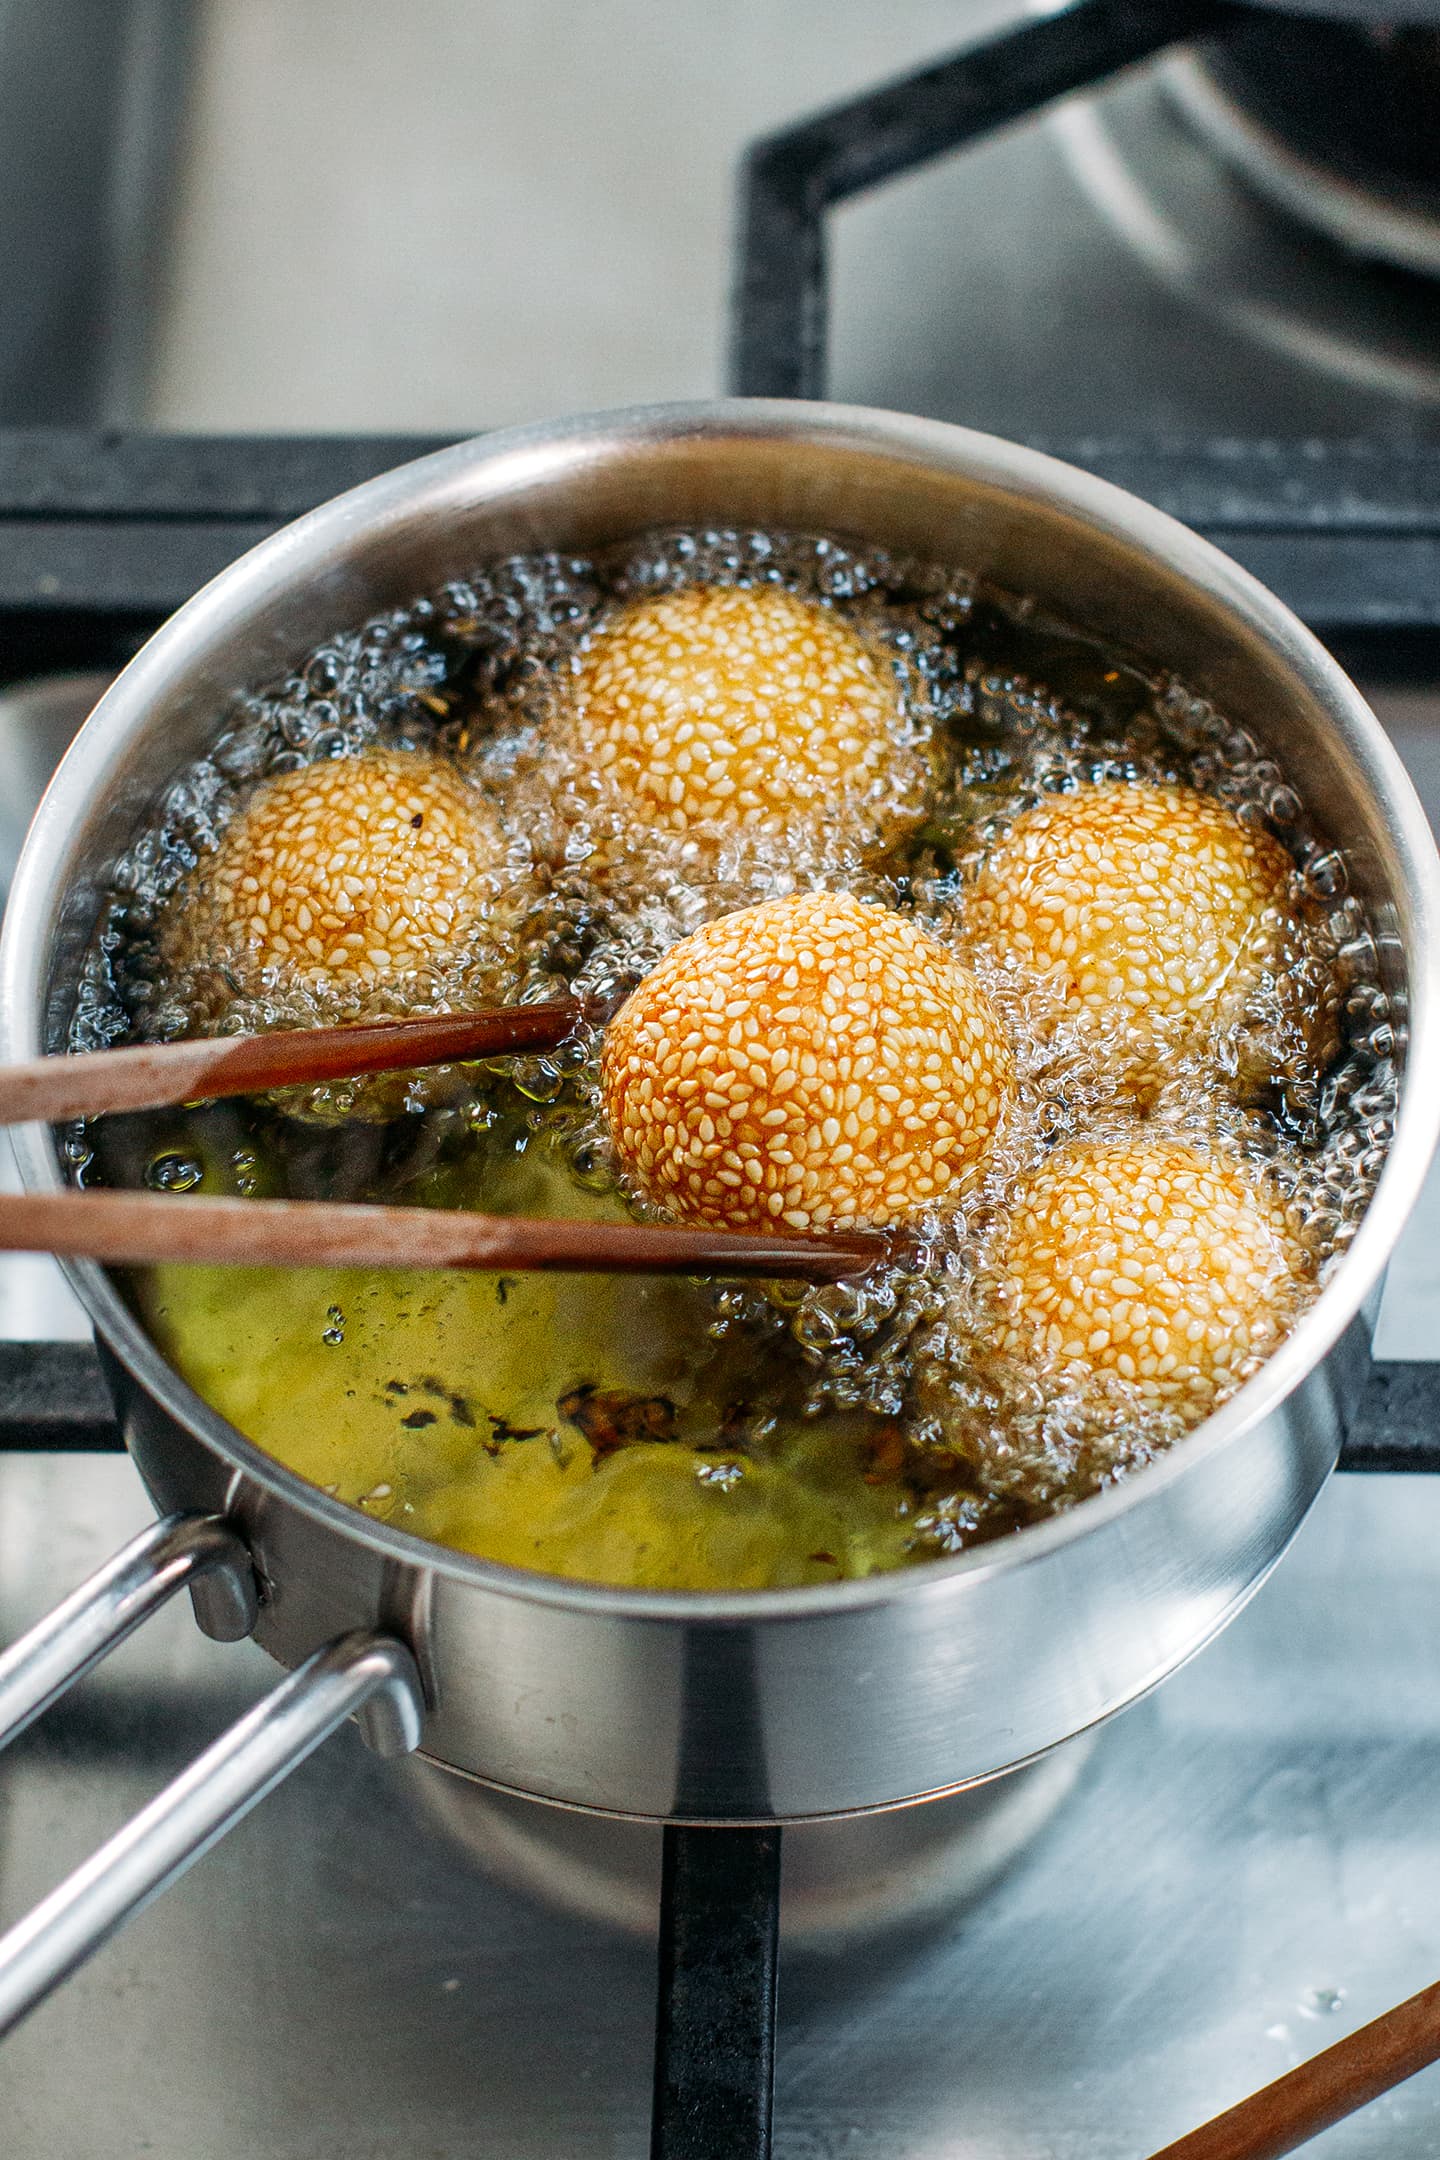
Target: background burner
[(1335, 123)]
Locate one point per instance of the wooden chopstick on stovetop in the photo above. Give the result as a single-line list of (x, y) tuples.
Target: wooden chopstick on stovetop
[(151, 1076), (1297, 2107)]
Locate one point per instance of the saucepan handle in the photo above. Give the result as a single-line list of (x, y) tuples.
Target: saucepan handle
[(361, 1672), (179, 1549)]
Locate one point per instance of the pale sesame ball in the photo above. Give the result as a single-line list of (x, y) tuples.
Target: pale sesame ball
[(810, 1061), (1149, 908), (738, 707), (340, 877), (1148, 1261)]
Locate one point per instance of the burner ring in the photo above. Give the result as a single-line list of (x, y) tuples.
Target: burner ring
[(1374, 211), (1191, 219)]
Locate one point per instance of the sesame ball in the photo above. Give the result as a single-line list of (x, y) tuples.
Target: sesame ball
[(738, 707), (1151, 909), (814, 1060), (341, 877), (1149, 1261)]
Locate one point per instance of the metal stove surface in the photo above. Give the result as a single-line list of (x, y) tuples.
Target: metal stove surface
[(1248, 1866)]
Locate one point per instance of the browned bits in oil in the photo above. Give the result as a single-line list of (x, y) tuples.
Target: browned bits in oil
[(811, 1060), (612, 1418), (737, 707), (342, 876), (1148, 909), (1177, 1273)]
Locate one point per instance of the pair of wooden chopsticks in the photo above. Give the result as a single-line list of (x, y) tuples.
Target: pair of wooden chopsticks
[(142, 1228)]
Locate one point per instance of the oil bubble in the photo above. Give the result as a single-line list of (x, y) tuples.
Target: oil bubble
[(173, 1172)]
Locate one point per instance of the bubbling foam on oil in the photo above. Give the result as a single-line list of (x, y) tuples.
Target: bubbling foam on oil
[(1003, 708)]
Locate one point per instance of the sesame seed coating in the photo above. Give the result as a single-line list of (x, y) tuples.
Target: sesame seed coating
[(813, 1060), (1148, 907), (737, 707), (341, 876), (1175, 1272)]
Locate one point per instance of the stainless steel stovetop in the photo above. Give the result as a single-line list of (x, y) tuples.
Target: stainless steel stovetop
[(1249, 1863)]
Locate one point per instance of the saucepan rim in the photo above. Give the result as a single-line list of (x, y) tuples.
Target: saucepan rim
[(427, 485)]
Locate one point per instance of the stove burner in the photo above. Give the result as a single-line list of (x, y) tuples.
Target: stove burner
[(851, 1879), (1334, 124), (1145, 156)]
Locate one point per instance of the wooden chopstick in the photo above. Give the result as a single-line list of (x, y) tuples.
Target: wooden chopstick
[(1332, 2085), (127, 1228), (151, 1076)]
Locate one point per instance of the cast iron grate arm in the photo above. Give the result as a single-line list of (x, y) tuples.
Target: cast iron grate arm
[(790, 179), (53, 1398)]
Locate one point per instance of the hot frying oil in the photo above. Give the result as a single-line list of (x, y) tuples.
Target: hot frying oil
[(584, 1424), (665, 1432)]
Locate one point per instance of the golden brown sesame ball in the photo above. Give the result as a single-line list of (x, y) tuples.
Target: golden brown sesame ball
[(1149, 907), (812, 1060), (1148, 1261), (342, 876), (739, 707)]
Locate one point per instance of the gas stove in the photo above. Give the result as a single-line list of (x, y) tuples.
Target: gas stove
[(1243, 1866)]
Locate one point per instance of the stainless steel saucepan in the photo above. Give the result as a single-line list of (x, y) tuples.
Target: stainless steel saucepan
[(754, 1706)]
